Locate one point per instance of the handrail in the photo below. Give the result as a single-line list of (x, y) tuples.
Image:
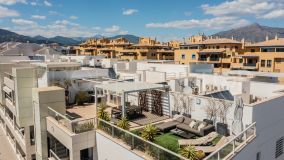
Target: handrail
[(140, 138), (52, 154), (232, 140)]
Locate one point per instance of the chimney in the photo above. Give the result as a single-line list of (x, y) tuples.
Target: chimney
[(276, 37), (266, 38), (232, 37), (243, 43)]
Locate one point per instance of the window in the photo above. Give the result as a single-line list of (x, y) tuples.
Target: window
[(279, 147), (268, 63), (252, 50), (143, 54), (193, 56), (183, 56), (258, 155), (218, 47), (262, 63), (241, 60), (32, 135)]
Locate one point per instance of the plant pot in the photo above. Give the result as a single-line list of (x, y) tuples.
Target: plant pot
[(208, 121), (175, 112), (222, 129), (186, 115)]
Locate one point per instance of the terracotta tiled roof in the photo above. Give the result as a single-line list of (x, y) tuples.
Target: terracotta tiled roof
[(272, 42), (219, 40)]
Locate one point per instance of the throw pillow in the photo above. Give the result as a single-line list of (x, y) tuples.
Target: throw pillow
[(196, 126), (192, 123), (202, 125)]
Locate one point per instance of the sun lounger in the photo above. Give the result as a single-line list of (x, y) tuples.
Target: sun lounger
[(199, 141), (209, 149)]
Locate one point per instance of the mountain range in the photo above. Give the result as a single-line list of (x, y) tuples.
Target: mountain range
[(252, 33), (6, 35)]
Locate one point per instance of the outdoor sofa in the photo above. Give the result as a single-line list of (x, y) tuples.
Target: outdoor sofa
[(182, 123)]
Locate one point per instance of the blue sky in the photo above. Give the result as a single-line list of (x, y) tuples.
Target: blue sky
[(164, 19)]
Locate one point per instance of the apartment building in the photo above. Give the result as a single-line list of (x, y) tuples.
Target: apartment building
[(40, 125), (17, 81), (16, 115), (216, 51), (264, 56), (146, 49)]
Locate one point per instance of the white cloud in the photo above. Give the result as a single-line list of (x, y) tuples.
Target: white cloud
[(240, 8), (53, 13), (96, 28), (274, 14), (187, 13), (11, 2), (23, 22), (128, 12), (38, 17), (73, 17), (33, 3), (112, 29), (213, 23), (48, 4), (6, 12)]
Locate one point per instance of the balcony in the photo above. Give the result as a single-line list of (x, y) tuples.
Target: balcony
[(250, 66), (10, 105), (9, 83), (135, 143), (214, 59), (235, 145)]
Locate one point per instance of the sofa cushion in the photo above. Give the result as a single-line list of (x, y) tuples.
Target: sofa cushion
[(202, 125), (192, 124), (196, 126), (180, 119), (187, 120), (186, 128)]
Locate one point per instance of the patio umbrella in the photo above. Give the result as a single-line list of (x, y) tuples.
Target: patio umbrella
[(237, 126)]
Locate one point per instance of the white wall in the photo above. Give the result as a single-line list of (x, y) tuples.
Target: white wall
[(109, 150), (269, 128)]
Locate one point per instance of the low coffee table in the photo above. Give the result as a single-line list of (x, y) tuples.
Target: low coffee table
[(182, 134)]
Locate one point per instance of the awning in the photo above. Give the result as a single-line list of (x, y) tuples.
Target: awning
[(7, 89)]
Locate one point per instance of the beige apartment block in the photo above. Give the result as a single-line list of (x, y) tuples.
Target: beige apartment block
[(16, 114)]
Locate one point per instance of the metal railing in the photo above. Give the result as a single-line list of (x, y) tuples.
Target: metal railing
[(53, 155), (137, 143), (234, 145), (75, 126)]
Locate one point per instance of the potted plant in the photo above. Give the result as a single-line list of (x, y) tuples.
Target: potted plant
[(81, 97), (189, 152), (222, 126), (211, 111), (149, 132)]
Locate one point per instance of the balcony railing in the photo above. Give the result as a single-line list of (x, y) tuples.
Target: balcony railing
[(53, 155), (234, 145), (137, 143), (75, 126), (250, 64)]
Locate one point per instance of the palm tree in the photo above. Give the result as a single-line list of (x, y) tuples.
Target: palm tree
[(123, 123), (189, 152), (149, 132), (102, 114)]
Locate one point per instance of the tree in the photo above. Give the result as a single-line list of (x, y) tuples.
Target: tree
[(149, 132), (224, 106), (102, 114), (211, 109), (189, 152), (123, 123)]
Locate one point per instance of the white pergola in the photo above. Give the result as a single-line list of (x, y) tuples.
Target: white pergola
[(123, 88)]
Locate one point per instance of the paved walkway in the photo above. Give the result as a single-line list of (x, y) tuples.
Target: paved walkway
[(6, 151)]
